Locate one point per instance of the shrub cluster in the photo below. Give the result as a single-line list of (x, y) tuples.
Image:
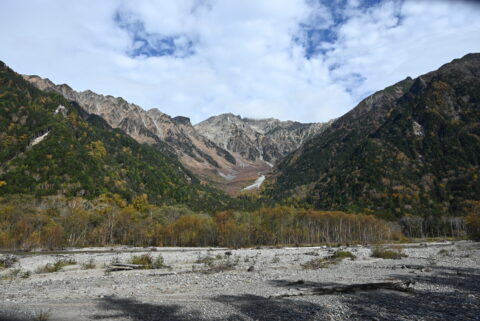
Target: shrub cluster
[(148, 261), (383, 253), (56, 266)]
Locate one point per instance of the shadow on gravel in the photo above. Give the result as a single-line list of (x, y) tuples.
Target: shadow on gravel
[(248, 307), (443, 294), (262, 309), (10, 316), (117, 308)]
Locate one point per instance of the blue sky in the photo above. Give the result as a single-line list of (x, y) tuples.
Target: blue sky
[(305, 60)]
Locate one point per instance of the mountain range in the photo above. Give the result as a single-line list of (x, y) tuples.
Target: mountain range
[(251, 146), (412, 148), (50, 146)]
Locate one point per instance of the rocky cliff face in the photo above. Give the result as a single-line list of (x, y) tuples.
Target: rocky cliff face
[(226, 150), (258, 139), (194, 150)]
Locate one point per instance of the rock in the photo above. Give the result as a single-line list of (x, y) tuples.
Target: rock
[(257, 139)]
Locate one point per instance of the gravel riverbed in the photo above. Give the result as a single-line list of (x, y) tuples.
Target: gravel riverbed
[(244, 284)]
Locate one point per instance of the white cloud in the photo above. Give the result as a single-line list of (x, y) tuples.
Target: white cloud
[(248, 56), (394, 40)]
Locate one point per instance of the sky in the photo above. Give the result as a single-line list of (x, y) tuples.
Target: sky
[(303, 60)]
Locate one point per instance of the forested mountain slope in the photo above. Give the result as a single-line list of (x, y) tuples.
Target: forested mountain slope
[(51, 146), (144, 126), (413, 147)]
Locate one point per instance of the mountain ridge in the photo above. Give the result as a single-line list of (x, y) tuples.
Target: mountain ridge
[(412, 148), (227, 167), (50, 146), (267, 139)]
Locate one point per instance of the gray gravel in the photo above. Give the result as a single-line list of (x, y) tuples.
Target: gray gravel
[(446, 275)]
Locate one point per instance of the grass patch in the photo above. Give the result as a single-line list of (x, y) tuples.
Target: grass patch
[(391, 254), (16, 273), (320, 263), (343, 255), (11, 275), (148, 261), (55, 267), (325, 262)]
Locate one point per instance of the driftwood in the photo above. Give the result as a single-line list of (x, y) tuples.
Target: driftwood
[(403, 286), (124, 267), (133, 266), (118, 268)]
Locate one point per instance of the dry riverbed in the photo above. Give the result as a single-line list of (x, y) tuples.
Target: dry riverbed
[(244, 284)]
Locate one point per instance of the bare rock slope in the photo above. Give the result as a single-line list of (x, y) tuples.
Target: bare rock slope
[(225, 150), (194, 150), (264, 139)]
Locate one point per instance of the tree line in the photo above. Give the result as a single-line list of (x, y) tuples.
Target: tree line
[(57, 222)]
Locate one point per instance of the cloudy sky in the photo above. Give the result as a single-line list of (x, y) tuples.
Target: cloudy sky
[(305, 60)]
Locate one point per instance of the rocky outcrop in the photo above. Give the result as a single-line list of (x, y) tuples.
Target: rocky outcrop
[(258, 139), (226, 150), (194, 150)]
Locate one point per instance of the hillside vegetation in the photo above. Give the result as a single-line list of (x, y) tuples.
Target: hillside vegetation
[(413, 148), (403, 164), (49, 146)]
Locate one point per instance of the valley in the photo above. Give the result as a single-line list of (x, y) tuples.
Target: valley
[(207, 160), (245, 284), (226, 151)]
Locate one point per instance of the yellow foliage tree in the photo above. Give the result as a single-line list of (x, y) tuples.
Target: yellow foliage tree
[(97, 149)]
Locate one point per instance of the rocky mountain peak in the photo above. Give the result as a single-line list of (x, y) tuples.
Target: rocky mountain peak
[(225, 148), (145, 126), (257, 139), (181, 120)]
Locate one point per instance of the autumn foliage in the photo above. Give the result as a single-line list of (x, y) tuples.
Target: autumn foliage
[(57, 222)]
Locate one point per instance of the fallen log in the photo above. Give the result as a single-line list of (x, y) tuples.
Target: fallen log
[(118, 268), (115, 267), (133, 266), (403, 286)]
